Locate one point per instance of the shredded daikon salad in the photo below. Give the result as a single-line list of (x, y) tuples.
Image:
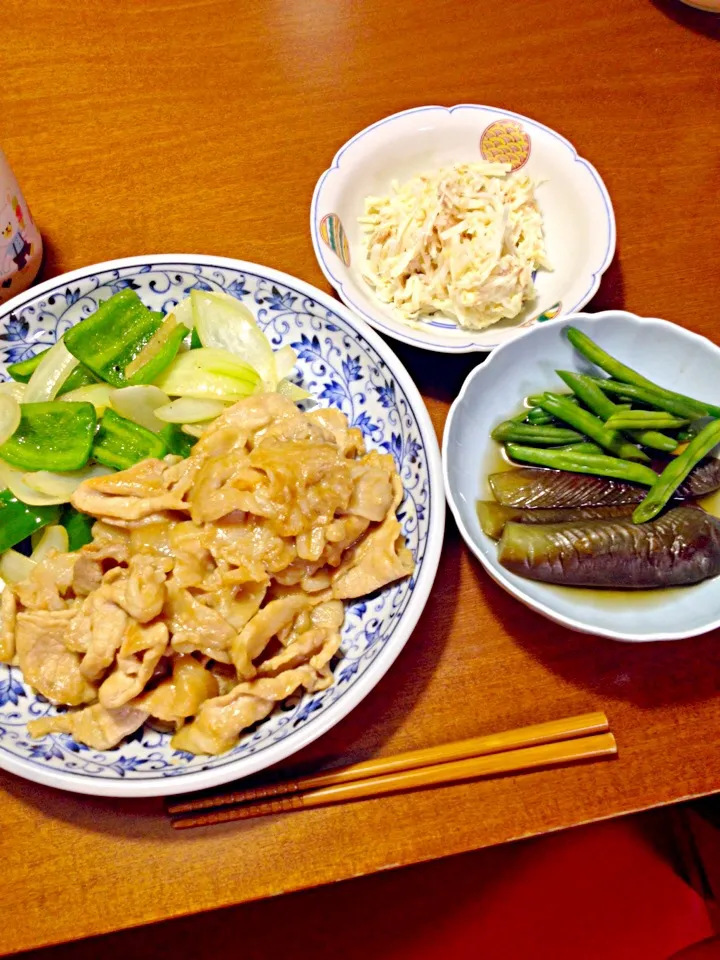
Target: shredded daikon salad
[(462, 241)]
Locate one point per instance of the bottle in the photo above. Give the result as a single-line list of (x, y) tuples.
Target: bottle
[(20, 240)]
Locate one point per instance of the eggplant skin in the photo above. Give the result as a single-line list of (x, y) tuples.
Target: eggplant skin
[(679, 548), (537, 488), (493, 516), (534, 488), (704, 478)]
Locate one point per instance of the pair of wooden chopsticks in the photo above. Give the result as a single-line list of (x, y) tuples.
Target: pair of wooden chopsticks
[(545, 744)]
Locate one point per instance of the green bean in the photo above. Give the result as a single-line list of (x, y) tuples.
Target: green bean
[(539, 416), (679, 406), (686, 434), (594, 399), (580, 448), (592, 427), (655, 440), (676, 471), (589, 392), (512, 431), (600, 466), (533, 415), (639, 419), (591, 351), (535, 399)]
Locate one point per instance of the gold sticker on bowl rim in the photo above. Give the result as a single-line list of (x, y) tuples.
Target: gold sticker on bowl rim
[(505, 141), (333, 234)]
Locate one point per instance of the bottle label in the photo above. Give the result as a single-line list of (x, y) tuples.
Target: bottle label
[(20, 241)]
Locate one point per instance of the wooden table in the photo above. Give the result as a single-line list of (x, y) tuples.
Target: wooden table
[(201, 126)]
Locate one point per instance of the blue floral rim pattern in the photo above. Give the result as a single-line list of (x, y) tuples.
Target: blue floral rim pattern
[(340, 367)]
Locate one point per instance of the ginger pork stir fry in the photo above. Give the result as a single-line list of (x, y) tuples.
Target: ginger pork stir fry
[(213, 588)]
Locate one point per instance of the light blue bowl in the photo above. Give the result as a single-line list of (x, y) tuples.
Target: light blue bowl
[(495, 390)]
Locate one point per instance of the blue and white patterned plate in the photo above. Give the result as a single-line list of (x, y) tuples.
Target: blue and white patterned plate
[(343, 364)]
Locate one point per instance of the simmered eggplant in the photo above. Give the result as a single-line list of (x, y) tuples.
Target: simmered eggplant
[(533, 488), (681, 547), (702, 479), (493, 516)]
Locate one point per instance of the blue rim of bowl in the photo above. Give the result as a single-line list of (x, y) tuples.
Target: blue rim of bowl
[(274, 753), (473, 346), (516, 592)]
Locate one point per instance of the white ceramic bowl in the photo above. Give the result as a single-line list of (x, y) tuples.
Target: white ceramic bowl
[(709, 6), (668, 354), (577, 212), (343, 364)]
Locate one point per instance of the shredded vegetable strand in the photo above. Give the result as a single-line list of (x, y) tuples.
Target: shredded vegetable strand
[(463, 242)]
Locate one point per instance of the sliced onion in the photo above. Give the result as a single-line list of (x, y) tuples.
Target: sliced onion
[(207, 373), (285, 360), (98, 394), (9, 416), (63, 484), (183, 313), (190, 410), (226, 324), (53, 538), (15, 567), (35, 537), (192, 429), (11, 388), (292, 391), (139, 404), (50, 374), (13, 480)]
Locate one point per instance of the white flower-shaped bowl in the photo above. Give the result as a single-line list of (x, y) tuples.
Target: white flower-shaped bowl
[(662, 351), (343, 364), (578, 216)]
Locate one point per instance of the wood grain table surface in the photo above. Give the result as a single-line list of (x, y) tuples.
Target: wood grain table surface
[(202, 126)]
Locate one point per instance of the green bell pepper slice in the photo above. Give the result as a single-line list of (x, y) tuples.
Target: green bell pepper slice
[(78, 526), (120, 443), (159, 352), (55, 435), (24, 369), (79, 377), (19, 521), (178, 442), (109, 340)]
